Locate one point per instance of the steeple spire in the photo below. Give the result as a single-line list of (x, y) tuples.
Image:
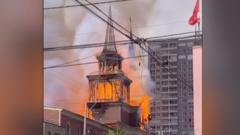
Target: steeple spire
[(131, 50), (110, 45)]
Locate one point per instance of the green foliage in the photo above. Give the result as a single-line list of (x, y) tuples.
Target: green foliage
[(117, 132), (110, 132)]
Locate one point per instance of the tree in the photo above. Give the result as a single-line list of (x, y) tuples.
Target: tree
[(110, 132), (116, 132)]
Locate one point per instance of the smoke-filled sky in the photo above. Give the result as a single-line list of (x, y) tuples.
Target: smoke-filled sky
[(67, 87)]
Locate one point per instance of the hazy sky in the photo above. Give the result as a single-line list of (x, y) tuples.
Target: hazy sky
[(63, 27), (149, 18)]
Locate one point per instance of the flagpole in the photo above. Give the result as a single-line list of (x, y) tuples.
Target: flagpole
[(199, 26), (196, 34)]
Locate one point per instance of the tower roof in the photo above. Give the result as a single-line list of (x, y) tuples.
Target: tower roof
[(110, 45)]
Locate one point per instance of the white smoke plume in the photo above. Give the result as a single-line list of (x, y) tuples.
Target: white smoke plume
[(68, 87)]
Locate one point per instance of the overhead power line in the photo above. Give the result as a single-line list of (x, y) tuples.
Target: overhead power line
[(79, 5), (82, 46), (106, 21), (178, 36), (141, 42), (108, 17), (76, 60), (85, 63)]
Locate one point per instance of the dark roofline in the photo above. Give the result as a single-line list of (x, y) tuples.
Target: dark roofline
[(89, 121), (120, 74), (190, 37), (52, 124), (79, 117), (126, 126)]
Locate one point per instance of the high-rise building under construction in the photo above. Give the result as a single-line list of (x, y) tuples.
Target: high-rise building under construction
[(172, 105)]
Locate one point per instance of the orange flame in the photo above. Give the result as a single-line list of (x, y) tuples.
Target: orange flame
[(139, 95)]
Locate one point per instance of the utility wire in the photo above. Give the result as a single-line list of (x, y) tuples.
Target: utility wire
[(139, 41), (171, 35), (73, 61), (76, 60), (82, 46), (86, 63), (78, 5), (92, 4), (119, 43), (86, 7)]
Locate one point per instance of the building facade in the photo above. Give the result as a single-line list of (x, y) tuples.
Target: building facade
[(72, 123), (172, 106), (52, 129)]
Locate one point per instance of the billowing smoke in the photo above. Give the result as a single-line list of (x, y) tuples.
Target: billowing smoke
[(139, 74), (68, 87)]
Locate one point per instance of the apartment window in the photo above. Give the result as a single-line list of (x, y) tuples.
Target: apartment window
[(173, 107), (153, 127), (165, 76), (173, 114), (173, 76), (173, 95), (173, 45), (164, 70), (181, 44), (164, 114), (173, 82), (173, 127), (173, 58), (153, 65), (173, 88), (182, 56), (164, 108), (190, 44), (152, 109), (153, 72), (173, 102), (164, 89), (189, 57), (165, 101), (164, 82), (173, 121), (173, 63), (164, 45), (174, 51)]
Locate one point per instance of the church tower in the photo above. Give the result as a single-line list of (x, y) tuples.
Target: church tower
[(109, 88)]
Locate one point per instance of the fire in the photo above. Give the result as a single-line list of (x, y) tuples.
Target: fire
[(107, 91), (137, 94), (140, 96), (143, 103)]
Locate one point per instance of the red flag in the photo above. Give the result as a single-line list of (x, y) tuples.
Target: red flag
[(194, 18)]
